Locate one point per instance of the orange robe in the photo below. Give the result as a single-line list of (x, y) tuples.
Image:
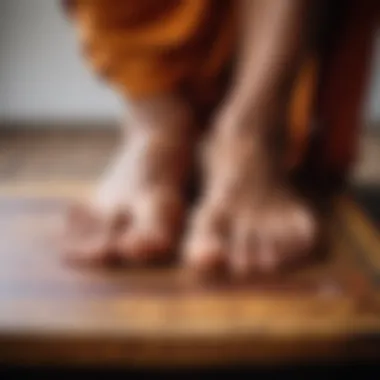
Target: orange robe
[(147, 47)]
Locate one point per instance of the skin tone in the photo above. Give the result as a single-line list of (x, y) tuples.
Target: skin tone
[(247, 218)]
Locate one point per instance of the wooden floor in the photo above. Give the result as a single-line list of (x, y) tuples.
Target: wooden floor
[(36, 156), (52, 313)]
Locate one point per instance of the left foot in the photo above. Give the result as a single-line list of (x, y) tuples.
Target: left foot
[(137, 210), (247, 220)]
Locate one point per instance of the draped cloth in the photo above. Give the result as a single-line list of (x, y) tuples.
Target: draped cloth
[(149, 47)]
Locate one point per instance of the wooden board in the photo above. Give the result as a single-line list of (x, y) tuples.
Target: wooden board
[(52, 313)]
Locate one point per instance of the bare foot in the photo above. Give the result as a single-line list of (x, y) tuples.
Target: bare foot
[(247, 220), (137, 210)]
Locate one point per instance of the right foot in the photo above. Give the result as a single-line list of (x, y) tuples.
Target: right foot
[(136, 213), (247, 220)]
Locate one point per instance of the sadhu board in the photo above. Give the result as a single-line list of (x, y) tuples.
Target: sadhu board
[(54, 313)]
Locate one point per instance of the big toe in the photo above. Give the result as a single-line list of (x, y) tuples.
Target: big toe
[(141, 245), (204, 248), (154, 229), (204, 253)]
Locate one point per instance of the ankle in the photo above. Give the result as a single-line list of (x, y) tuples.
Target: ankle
[(169, 110)]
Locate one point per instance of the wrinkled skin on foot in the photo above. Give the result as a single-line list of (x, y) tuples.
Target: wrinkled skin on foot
[(247, 220), (136, 213)]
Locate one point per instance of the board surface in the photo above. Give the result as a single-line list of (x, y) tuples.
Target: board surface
[(50, 312)]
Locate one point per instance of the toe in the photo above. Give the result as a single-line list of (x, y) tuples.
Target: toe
[(206, 242), (138, 245), (152, 230), (299, 241), (303, 223), (204, 253), (85, 236), (268, 254), (244, 249), (87, 252), (285, 239)]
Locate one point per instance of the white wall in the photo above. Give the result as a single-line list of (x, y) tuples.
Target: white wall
[(372, 111), (42, 74)]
